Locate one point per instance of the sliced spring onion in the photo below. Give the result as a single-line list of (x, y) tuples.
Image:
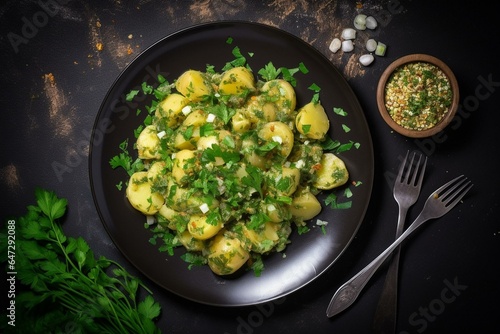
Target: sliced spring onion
[(371, 45), (360, 22), (380, 50), (371, 23)]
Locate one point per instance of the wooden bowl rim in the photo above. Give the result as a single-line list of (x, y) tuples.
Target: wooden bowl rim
[(413, 58)]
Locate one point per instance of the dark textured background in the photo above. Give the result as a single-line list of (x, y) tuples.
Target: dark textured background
[(54, 82)]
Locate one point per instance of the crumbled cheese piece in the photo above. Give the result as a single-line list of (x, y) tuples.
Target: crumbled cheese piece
[(173, 156), (278, 139), (210, 118), (186, 110), (161, 134), (204, 208), (271, 208)]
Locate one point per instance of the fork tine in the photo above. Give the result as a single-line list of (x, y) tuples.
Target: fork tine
[(423, 171), (401, 168), (451, 186), (453, 199), (446, 185), (417, 165), (408, 171)]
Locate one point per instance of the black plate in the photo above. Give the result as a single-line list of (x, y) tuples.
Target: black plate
[(308, 255)]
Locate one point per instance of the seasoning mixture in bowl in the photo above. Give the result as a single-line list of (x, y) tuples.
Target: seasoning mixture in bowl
[(418, 95)]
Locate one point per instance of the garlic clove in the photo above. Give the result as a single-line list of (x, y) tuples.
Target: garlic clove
[(366, 60), (335, 45), (347, 46)]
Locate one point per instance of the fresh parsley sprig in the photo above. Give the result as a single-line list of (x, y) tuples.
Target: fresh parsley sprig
[(270, 72), (64, 284)]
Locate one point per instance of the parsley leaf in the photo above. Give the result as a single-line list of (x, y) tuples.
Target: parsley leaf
[(254, 178), (64, 283), (316, 89), (269, 72)]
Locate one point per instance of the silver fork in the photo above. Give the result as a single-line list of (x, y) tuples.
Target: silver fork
[(406, 191), (438, 204)]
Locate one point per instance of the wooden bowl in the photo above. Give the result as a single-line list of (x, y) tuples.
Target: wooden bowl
[(399, 126)]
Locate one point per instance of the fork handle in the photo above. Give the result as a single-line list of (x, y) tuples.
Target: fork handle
[(386, 313), (350, 290), (385, 318)]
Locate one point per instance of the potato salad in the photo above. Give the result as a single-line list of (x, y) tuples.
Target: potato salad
[(230, 165)]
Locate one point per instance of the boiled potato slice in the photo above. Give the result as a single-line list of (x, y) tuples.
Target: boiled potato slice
[(170, 215), (258, 111), (263, 240), (240, 123), (171, 109), (312, 121), (148, 143), (156, 171), (332, 173), (183, 165), (202, 230), (184, 200), (196, 118), (191, 243), (305, 205), (141, 197), (247, 146), (183, 143), (226, 254), (193, 85), (236, 81), (278, 132), (281, 93), (283, 181)]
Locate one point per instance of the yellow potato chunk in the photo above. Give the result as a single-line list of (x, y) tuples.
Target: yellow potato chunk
[(312, 121), (170, 215), (240, 123), (226, 255), (281, 93), (332, 173), (278, 132), (305, 205), (196, 118), (284, 181), (258, 111), (181, 142), (193, 85), (201, 229), (183, 165), (191, 243), (148, 143), (263, 240), (236, 81), (140, 196), (156, 171), (171, 109), (251, 157)]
